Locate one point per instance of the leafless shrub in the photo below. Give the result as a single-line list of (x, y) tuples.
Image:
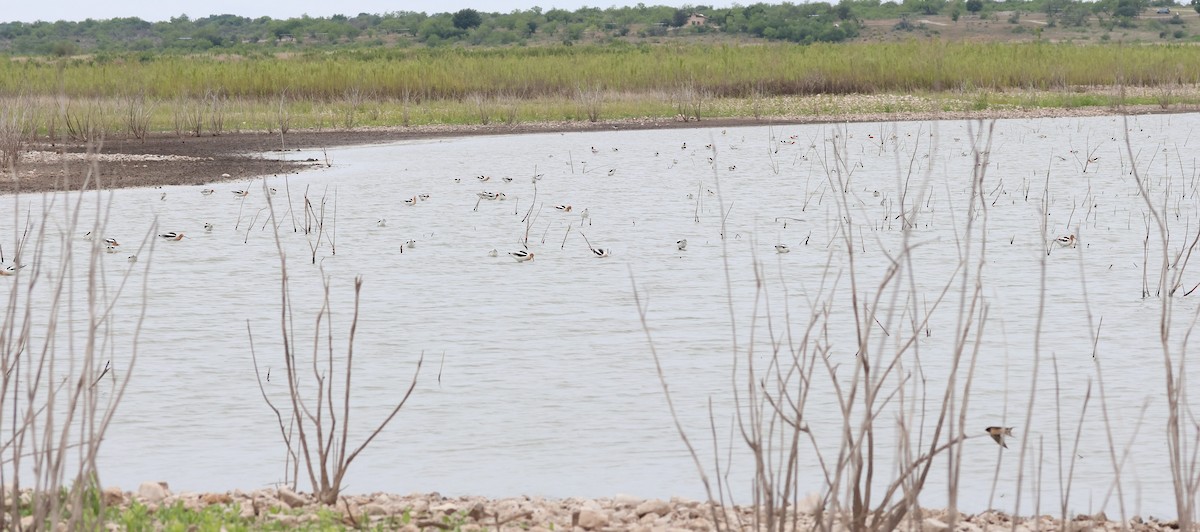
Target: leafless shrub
[(773, 376), (317, 431), (59, 386), (590, 99), (405, 107), (83, 118), (483, 107), (1182, 432), (215, 101), (137, 114), (17, 125), (187, 115), (688, 100), (352, 103), (757, 101)]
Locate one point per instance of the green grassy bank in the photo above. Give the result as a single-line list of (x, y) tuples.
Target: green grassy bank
[(391, 87)]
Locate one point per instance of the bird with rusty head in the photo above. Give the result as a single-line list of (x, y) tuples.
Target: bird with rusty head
[(998, 434)]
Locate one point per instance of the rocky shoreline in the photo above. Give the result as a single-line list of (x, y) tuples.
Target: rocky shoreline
[(282, 507)]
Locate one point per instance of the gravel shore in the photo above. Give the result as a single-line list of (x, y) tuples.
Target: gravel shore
[(432, 511)]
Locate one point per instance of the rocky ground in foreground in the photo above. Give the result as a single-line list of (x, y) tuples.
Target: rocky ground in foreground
[(419, 512)]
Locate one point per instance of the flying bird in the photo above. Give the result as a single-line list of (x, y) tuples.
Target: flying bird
[(998, 434)]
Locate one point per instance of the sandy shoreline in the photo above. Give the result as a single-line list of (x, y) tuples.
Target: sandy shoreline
[(165, 159)]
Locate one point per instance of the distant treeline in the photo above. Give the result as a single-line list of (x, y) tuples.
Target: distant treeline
[(800, 23)]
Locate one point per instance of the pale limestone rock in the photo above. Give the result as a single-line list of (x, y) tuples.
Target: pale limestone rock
[(625, 500), (373, 508), (113, 496), (418, 506), (592, 519), (931, 524), (216, 498), (508, 507), (653, 506), (291, 498), (153, 491), (477, 512), (445, 508)]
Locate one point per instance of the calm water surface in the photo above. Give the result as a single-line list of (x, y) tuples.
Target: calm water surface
[(538, 377)]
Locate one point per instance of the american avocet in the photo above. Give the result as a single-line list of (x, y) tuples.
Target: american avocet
[(110, 249), (172, 236), (411, 201), (780, 248), (491, 195), (600, 253), (458, 180), (1066, 241), (564, 208), (998, 434), (423, 197), (10, 270), (594, 150), (274, 191), (612, 171), (681, 244), (87, 235), (132, 258), (163, 196), (410, 244), (208, 228), (506, 179), (112, 242), (207, 192), (521, 256), (493, 253), (684, 147), (241, 193), (483, 177), (382, 222)]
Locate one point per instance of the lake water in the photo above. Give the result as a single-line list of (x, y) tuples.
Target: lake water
[(538, 376)]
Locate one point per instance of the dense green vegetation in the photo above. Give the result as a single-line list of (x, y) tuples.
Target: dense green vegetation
[(531, 72), (798, 23), (215, 93), (801, 23)]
